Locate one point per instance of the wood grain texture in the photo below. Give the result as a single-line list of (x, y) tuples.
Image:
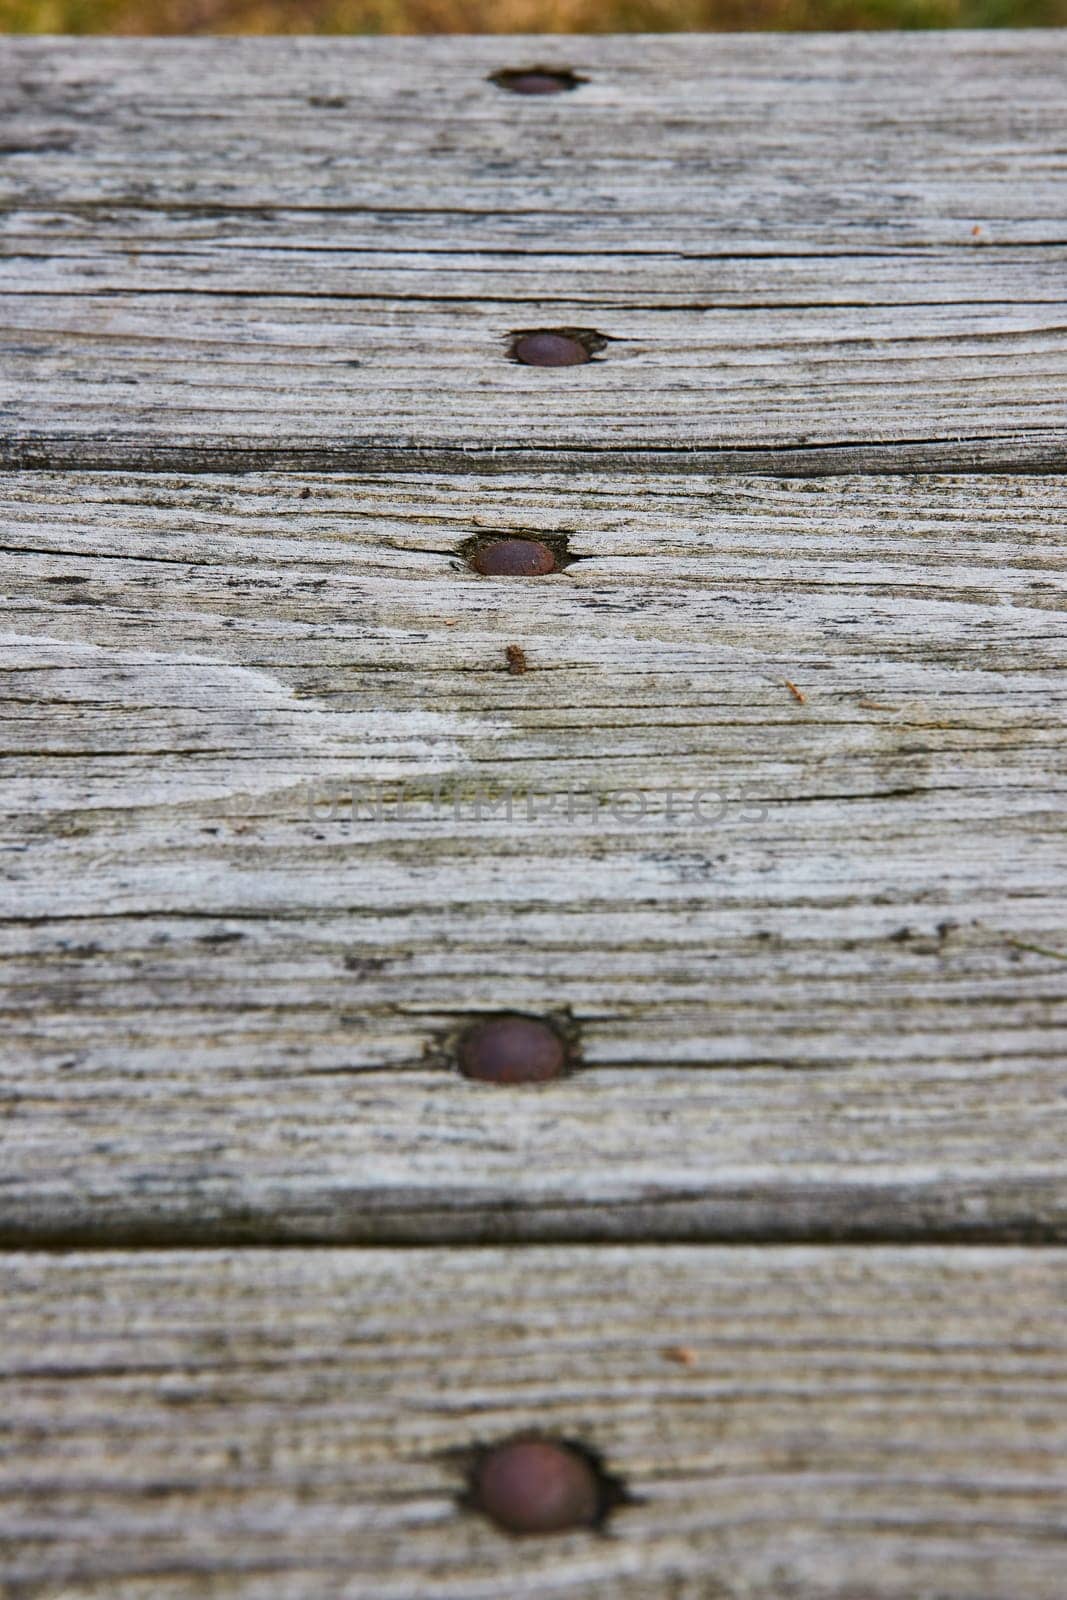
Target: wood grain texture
[(809, 255), (771, 825), (832, 1006), (817, 1424)]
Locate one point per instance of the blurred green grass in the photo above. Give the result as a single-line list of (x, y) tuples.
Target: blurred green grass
[(512, 16)]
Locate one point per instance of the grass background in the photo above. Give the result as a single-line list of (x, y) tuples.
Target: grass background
[(512, 16)]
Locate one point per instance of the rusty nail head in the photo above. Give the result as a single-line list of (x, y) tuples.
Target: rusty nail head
[(514, 558), (512, 1049), (538, 1486), (536, 80), (550, 349)]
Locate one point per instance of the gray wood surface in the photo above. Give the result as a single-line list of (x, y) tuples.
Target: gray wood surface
[(833, 1006), (786, 855), (809, 255), (858, 1424)]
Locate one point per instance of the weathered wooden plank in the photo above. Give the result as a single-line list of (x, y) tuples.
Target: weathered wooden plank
[(811, 1423), (819, 255), (760, 141), (161, 379), (832, 1005)]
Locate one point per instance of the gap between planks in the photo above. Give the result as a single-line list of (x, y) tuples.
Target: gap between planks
[(1026, 456)]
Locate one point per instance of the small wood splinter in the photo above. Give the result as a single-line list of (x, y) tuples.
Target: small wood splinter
[(683, 1354), (798, 694)]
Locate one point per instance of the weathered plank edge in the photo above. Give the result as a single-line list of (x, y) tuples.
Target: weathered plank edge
[(941, 1210), (1042, 452)]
